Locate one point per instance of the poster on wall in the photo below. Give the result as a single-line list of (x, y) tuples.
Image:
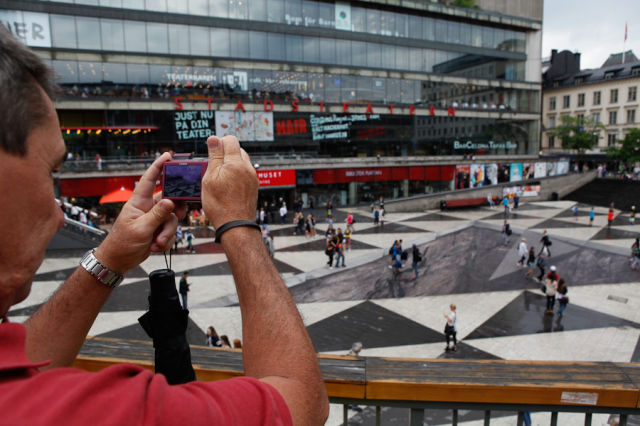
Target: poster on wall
[(503, 173), (491, 174), (552, 169), (477, 175), (527, 171), (246, 126), (540, 170), (516, 172), (462, 176), (562, 168), (522, 191)]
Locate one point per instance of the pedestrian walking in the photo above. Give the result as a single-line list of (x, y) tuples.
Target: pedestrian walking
[(561, 296), (505, 203), (592, 215), (574, 209), (550, 289), (610, 217), (541, 263), (451, 328), (184, 289), (350, 221), (416, 258), (283, 213), (347, 239), (546, 243), (331, 249), (506, 232), (632, 215), (189, 236), (531, 262), (522, 252), (340, 248), (635, 254)]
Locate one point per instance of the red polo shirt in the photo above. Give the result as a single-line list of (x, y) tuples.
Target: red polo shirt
[(124, 395)]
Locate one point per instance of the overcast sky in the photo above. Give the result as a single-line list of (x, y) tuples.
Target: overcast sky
[(595, 28)]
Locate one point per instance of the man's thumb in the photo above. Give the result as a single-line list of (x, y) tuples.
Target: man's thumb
[(216, 151), (158, 214)]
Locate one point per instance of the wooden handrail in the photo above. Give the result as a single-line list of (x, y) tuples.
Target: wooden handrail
[(595, 384)]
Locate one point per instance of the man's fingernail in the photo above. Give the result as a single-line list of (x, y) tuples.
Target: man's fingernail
[(213, 143), (166, 205)]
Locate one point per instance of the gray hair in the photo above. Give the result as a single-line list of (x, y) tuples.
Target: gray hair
[(22, 75)]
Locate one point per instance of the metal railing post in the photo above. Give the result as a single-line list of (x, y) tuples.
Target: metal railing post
[(554, 418), (587, 419), (520, 421), (416, 417), (623, 420), (345, 415), (378, 415), (454, 422)]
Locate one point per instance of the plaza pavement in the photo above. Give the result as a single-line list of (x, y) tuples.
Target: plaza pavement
[(501, 313)]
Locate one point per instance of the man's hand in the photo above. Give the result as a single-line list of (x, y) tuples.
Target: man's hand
[(230, 185), (146, 224)]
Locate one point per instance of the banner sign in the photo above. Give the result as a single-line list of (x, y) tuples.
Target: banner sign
[(193, 124), (29, 27), (246, 126), (327, 127), (522, 191), (286, 177)]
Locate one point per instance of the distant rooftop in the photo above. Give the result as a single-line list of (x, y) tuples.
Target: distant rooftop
[(563, 69), (617, 58)]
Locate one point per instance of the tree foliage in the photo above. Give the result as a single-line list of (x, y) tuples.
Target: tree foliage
[(629, 149), (469, 4), (577, 133)]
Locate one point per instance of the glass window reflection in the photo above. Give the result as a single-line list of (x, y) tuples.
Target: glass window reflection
[(135, 36), (88, 33), (178, 39), (157, 38), (199, 41), (219, 42), (63, 31), (112, 32)]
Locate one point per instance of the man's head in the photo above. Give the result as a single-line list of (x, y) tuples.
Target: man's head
[(356, 347), (31, 149), (185, 274)]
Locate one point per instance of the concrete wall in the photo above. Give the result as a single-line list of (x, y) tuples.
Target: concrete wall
[(563, 185)]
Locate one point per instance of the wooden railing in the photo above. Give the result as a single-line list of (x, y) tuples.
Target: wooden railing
[(519, 386)]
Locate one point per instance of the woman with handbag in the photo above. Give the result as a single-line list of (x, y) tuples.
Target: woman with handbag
[(451, 328), (561, 295)]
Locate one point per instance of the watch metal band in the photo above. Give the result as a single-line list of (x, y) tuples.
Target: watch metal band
[(100, 272)]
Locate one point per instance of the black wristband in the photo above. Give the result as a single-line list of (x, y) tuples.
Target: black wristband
[(234, 223)]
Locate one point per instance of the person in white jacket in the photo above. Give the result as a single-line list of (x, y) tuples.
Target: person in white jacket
[(522, 251)]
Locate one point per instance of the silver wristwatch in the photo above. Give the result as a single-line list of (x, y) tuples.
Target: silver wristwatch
[(100, 272)]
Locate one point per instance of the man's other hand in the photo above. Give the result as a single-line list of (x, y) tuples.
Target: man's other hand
[(230, 185), (146, 224)]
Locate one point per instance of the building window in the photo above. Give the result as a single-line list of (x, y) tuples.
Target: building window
[(552, 142), (552, 103), (632, 93), (631, 116), (611, 139), (596, 98), (613, 97), (552, 122), (580, 99), (596, 117), (613, 117), (580, 118), (566, 101)]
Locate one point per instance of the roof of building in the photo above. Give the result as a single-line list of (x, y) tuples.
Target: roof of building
[(612, 69)]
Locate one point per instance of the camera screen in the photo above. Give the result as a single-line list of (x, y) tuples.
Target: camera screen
[(182, 180)]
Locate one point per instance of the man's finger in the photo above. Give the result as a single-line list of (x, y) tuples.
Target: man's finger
[(155, 217), (216, 152), (231, 148), (146, 186), (167, 235)]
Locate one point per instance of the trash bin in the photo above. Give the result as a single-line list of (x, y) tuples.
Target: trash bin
[(443, 205), (554, 196)]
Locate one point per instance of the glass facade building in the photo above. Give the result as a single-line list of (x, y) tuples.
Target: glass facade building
[(288, 77)]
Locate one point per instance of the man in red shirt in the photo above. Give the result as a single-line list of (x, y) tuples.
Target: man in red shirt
[(283, 385)]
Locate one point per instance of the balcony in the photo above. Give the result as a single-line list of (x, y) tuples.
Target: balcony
[(422, 385)]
